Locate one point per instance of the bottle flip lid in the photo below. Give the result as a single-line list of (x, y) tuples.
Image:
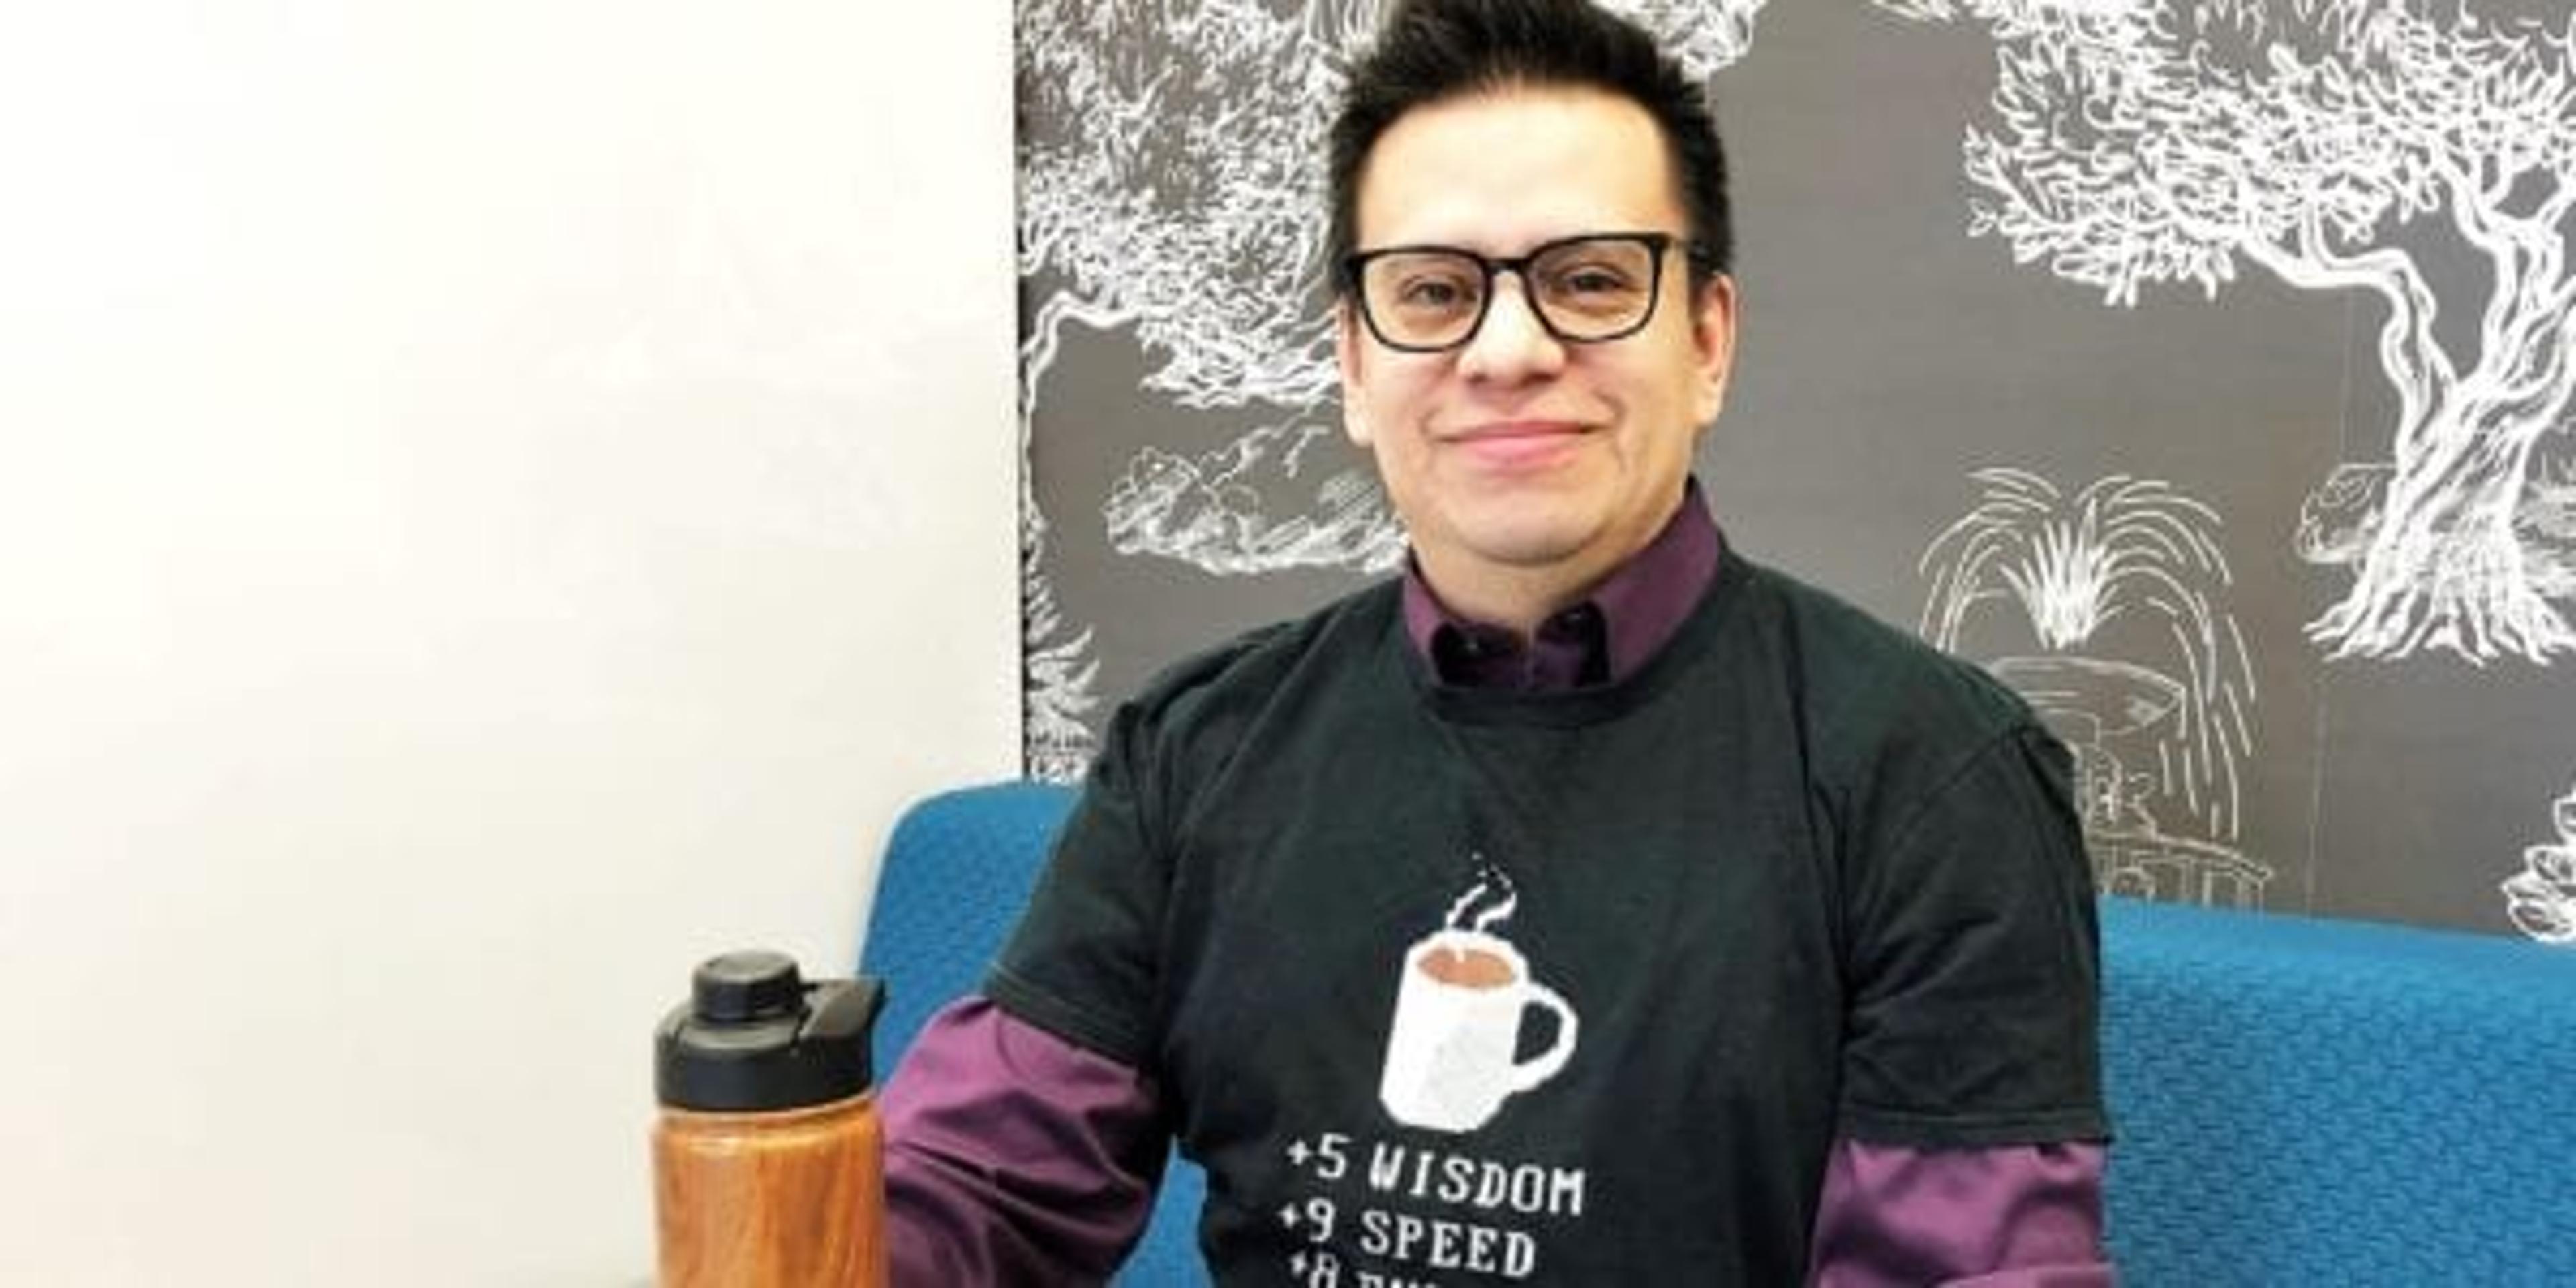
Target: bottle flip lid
[(755, 1036)]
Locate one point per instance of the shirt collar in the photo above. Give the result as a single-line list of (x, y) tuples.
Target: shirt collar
[(1625, 621)]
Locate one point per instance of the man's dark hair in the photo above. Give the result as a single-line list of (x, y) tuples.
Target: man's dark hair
[(1432, 50)]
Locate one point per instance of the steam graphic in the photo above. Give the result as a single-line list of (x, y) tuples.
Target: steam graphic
[(1494, 891)]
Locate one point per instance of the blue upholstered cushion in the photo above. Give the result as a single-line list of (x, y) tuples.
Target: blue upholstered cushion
[(957, 872), (2302, 1101)]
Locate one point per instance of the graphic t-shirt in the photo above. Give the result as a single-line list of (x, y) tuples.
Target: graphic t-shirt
[(1466, 987)]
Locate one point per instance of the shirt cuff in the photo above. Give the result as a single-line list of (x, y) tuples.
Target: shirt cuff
[(2016, 1216)]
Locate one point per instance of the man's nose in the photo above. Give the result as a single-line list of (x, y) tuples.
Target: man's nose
[(1511, 343)]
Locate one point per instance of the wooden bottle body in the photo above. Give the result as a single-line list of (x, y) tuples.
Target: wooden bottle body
[(787, 1199)]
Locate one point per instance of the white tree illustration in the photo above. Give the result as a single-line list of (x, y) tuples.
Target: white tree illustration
[(1171, 190), (2541, 899), (2137, 142), (2075, 565)]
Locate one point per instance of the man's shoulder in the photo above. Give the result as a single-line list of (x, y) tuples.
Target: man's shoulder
[(1224, 681), (1861, 677), (1891, 726)]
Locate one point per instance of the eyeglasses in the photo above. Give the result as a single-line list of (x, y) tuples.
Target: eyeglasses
[(1584, 290)]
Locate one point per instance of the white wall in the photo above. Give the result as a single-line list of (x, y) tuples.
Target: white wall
[(498, 500)]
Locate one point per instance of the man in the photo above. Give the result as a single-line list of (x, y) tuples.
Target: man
[(1591, 905)]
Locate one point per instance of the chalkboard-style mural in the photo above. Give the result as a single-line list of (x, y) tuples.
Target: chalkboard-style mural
[(2225, 345), (2134, 143)]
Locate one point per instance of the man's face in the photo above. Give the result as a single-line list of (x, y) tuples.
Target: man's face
[(1521, 462)]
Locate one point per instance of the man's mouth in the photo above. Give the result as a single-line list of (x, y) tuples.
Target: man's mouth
[(1519, 444)]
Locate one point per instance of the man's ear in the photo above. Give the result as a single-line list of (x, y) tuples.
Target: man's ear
[(1346, 352), (1714, 315)]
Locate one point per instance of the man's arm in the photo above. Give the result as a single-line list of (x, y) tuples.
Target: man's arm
[(1973, 1150), (1025, 1129), (1014, 1156), (2006, 1216)]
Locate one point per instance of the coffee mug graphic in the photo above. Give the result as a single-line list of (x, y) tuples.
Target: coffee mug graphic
[(1451, 1054)]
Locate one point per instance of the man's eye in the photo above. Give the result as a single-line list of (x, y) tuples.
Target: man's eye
[(1433, 293), (1593, 279)]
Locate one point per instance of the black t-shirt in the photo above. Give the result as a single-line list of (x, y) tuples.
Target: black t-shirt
[(1461, 987)]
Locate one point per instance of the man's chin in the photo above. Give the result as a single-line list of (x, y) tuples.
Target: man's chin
[(1531, 547)]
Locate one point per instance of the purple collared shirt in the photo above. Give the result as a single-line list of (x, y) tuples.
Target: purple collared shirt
[(1015, 1157)]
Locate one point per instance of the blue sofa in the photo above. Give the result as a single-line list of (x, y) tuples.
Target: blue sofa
[(2298, 1101)]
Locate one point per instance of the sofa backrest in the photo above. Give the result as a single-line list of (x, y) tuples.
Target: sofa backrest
[(957, 871), (2306, 1101)]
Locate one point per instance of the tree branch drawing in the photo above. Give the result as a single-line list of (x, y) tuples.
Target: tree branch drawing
[(2143, 142)]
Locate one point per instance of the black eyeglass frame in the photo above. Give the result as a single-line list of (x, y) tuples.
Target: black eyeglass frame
[(1355, 283)]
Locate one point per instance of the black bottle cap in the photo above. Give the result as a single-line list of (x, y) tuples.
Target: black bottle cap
[(755, 1036)]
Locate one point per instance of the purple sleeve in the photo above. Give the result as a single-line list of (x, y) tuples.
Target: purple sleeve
[(2020, 1216), (1013, 1156)]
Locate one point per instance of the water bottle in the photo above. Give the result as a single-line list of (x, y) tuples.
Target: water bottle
[(768, 1159)]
